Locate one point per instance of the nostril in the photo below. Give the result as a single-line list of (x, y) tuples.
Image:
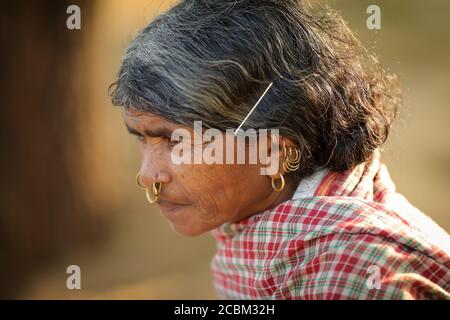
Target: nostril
[(152, 174)]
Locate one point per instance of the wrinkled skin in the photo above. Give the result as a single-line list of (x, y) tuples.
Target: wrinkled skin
[(197, 198)]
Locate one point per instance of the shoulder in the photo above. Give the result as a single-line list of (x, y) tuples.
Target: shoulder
[(315, 217), (363, 266), (347, 248)]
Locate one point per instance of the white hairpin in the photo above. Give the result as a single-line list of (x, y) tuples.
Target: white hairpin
[(254, 107)]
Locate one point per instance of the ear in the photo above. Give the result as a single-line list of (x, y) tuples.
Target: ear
[(278, 142)]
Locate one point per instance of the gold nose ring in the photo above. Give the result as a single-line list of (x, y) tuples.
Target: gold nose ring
[(152, 196)]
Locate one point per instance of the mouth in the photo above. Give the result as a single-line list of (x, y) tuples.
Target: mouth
[(169, 208)]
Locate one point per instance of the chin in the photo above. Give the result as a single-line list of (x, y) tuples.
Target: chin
[(189, 231)]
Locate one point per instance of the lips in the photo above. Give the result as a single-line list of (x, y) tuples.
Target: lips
[(164, 201), (168, 207)]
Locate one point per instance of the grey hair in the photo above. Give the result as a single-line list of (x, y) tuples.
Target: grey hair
[(210, 60)]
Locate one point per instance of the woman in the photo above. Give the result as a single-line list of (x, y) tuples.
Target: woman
[(328, 223)]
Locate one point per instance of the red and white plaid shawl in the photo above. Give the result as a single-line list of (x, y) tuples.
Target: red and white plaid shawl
[(343, 235)]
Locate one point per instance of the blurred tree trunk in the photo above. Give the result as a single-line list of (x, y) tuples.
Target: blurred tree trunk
[(41, 213)]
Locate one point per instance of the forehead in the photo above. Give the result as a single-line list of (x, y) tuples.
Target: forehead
[(150, 123), (135, 117)]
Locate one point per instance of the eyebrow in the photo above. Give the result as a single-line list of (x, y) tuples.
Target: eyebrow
[(157, 132)]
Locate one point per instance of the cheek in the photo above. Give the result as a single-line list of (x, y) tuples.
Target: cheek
[(212, 195), (230, 190), (210, 188), (207, 205)]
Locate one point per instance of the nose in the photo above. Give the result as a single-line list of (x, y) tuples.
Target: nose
[(153, 171)]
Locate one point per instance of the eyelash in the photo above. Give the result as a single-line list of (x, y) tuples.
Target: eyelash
[(140, 138), (168, 139)]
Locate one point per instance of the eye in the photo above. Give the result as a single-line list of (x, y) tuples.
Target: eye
[(172, 142), (140, 138)]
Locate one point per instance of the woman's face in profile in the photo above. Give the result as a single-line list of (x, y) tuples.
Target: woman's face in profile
[(196, 198)]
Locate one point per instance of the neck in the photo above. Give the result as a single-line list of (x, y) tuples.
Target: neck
[(272, 200), (285, 195)]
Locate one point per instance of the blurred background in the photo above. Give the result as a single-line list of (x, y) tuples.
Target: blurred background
[(68, 194)]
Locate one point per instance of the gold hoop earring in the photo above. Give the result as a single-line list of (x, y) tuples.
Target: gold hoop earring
[(151, 199), (152, 196), (156, 188), (279, 189), (292, 160), (139, 182)]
